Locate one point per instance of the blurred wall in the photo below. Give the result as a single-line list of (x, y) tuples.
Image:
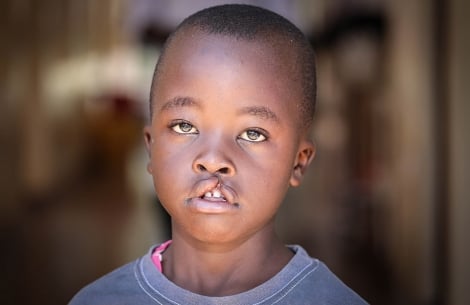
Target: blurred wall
[(38, 36), (413, 157), (459, 136)]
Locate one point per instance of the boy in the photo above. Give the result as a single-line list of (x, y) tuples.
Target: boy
[(232, 103)]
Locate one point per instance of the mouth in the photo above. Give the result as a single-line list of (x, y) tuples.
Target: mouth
[(214, 195), (211, 196)]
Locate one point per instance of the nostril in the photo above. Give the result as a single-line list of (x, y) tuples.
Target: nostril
[(201, 168), (223, 170)]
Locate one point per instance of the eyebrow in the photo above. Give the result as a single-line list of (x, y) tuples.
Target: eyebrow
[(262, 112), (179, 101)]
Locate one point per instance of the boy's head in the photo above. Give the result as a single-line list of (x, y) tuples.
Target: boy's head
[(232, 97), (254, 24)]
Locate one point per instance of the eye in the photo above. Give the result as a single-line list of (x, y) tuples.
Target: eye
[(253, 135), (184, 128)]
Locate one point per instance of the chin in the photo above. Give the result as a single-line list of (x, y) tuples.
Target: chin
[(215, 235)]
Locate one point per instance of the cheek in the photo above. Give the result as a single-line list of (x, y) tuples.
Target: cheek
[(167, 168), (165, 153), (268, 183)]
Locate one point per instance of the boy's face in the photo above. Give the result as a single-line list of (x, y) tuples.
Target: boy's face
[(224, 140)]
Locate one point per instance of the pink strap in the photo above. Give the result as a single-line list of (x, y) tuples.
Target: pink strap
[(157, 254)]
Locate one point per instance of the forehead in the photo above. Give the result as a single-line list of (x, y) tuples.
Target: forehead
[(269, 64), (270, 46)]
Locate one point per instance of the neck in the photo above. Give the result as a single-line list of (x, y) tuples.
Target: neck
[(220, 270)]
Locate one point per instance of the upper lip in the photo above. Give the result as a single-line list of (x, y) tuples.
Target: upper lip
[(213, 183)]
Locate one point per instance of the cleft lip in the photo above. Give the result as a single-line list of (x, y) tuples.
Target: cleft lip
[(215, 194), (211, 185)]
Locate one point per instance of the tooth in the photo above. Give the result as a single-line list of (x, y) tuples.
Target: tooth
[(217, 194), (208, 194)]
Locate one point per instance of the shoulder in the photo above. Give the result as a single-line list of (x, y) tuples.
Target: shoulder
[(319, 283), (121, 286), (107, 288)]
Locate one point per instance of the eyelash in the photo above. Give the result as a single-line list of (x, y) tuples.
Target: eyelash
[(180, 126)]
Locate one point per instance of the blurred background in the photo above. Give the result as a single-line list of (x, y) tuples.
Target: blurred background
[(385, 204)]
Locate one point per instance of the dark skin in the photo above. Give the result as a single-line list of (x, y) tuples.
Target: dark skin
[(225, 144)]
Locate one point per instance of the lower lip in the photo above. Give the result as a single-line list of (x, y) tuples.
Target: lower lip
[(200, 205)]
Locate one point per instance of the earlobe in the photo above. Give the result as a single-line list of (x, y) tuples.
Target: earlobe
[(305, 156), (149, 167)]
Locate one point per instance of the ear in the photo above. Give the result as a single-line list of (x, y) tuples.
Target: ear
[(148, 146), (305, 155)]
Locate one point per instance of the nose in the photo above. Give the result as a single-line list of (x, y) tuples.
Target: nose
[(213, 159)]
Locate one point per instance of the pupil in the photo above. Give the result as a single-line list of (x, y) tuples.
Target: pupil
[(185, 127), (252, 135)]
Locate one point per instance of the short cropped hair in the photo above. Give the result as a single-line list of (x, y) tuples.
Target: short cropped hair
[(246, 22)]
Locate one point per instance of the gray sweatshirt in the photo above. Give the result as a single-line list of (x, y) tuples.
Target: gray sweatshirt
[(303, 280)]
